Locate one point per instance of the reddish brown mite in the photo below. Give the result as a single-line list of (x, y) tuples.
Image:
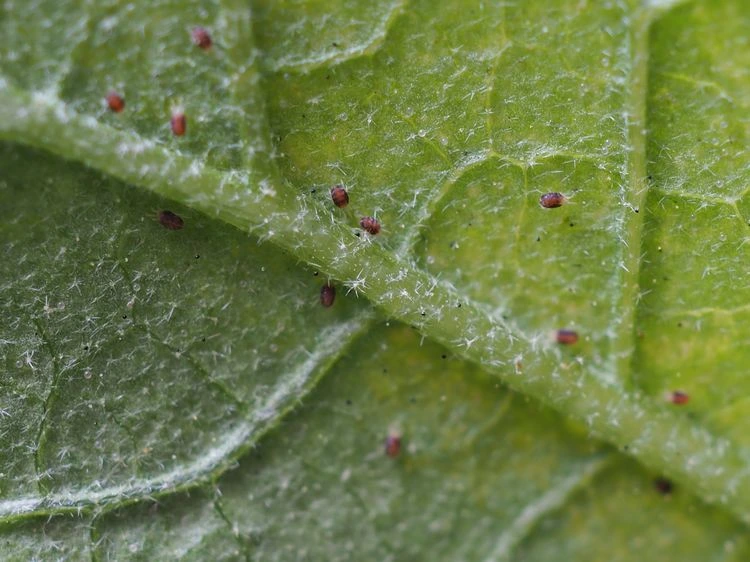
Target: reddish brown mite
[(340, 196), (370, 224), (663, 485), (393, 445), (170, 220), (178, 123), (115, 101), (567, 337), (552, 200), (679, 397), (201, 37), (327, 295)]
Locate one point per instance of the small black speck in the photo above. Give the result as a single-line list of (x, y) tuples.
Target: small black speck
[(637, 210), (335, 44), (413, 400), (348, 402), (357, 233), (197, 256), (679, 324), (203, 339), (663, 486), (649, 177), (626, 447), (385, 371), (328, 76), (85, 348), (124, 316), (313, 191), (459, 305), (423, 313), (316, 274), (572, 224), (444, 356), (538, 238)]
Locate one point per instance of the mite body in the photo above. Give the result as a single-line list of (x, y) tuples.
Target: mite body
[(115, 102), (339, 196), (201, 37), (178, 123), (327, 295), (170, 220), (566, 337), (370, 224), (552, 200), (393, 444)]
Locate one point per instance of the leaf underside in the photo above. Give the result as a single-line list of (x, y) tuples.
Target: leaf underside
[(183, 395)]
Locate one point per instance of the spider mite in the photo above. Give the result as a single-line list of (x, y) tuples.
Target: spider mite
[(678, 397), (115, 101), (170, 220), (566, 337), (552, 200), (327, 295), (201, 38), (178, 123), (370, 224), (393, 444), (663, 486), (340, 196)]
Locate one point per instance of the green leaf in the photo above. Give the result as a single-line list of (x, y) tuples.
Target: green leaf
[(135, 368)]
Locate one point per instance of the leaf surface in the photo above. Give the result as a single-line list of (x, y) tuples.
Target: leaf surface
[(143, 361)]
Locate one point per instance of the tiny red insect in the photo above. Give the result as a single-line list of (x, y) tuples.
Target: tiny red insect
[(552, 200), (327, 295), (170, 220), (340, 196), (567, 337), (201, 38), (393, 445), (370, 224), (178, 123), (115, 101), (663, 485), (679, 397)]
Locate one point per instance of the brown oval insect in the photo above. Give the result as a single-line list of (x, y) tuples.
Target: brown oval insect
[(663, 485), (340, 196), (552, 200), (115, 101), (678, 397), (393, 445), (567, 337), (178, 123), (201, 37), (170, 220), (327, 295), (370, 224)]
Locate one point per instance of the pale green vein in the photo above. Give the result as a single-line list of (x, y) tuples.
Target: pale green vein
[(552, 500), (253, 200)]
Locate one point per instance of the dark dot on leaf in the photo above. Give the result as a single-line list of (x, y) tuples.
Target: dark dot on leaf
[(313, 191), (679, 324), (348, 402), (197, 256), (444, 356), (424, 314), (357, 234), (626, 447), (413, 400), (201, 37), (124, 316), (572, 224), (316, 274), (178, 123), (663, 486), (328, 76), (538, 238), (170, 220), (335, 44), (649, 177), (203, 339), (385, 370), (637, 210), (85, 348)]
